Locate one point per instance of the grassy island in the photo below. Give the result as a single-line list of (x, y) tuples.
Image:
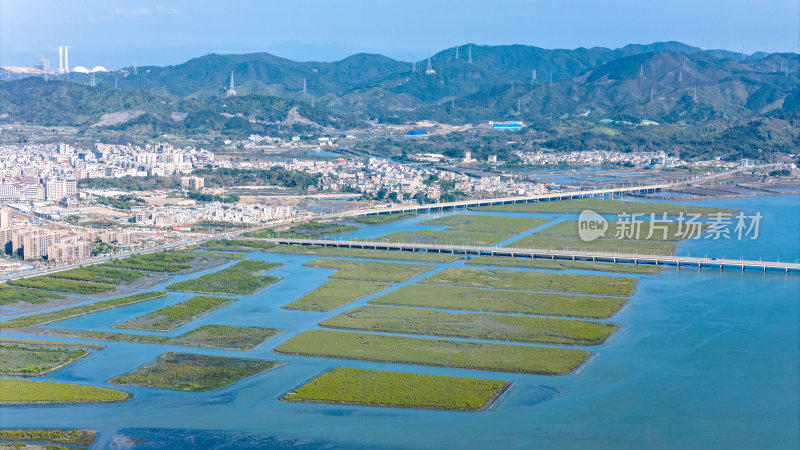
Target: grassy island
[(533, 281), (10, 295), (336, 293), (30, 360), (50, 283), (346, 386), (562, 264), (491, 224), (99, 274), (445, 237), (239, 279), (236, 245), (378, 219), (434, 352), (225, 336), (363, 253), (173, 316), (56, 436), (76, 311), (371, 271), (494, 300), (542, 330), (603, 206), (308, 230), (30, 392), (193, 373)]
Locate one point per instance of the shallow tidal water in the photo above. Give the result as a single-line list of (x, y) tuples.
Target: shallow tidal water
[(705, 359)]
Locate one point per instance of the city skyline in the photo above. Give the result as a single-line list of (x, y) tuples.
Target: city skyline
[(161, 33)]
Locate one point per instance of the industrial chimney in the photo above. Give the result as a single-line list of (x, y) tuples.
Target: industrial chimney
[(66, 58), (60, 59)]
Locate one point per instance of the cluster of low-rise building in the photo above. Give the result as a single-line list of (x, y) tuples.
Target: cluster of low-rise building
[(245, 213), (600, 158)]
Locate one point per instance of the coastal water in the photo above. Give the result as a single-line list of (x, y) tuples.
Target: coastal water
[(704, 359)]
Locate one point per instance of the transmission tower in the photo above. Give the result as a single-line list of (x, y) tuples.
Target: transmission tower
[(652, 92), (92, 81), (694, 94), (533, 76), (304, 85), (680, 76), (456, 52), (413, 66), (641, 70), (469, 54), (429, 70)]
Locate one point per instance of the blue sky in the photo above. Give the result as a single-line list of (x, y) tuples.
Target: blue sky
[(119, 33)]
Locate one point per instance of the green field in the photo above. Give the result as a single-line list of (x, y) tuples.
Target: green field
[(435, 352), (40, 343), (166, 262), (445, 237), (9, 295), (57, 436), (28, 360), (75, 311), (603, 206), (498, 327), (533, 281), (346, 386), (308, 230), (377, 219), (173, 316), (562, 264), (193, 373), (236, 245), (30, 392), (48, 283), (98, 274), (494, 300), (660, 232), (597, 245), (363, 253), (369, 270), (491, 224), (225, 336), (336, 293), (239, 279)]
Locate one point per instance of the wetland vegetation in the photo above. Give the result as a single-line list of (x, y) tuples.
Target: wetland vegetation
[(363, 253), (377, 219), (49, 283), (603, 206), (562, 264), (370, 270), (533, 281), (336, 293), (30, 392), (193, 373), (491, 224), (58, 436), (435, 352), (494, 300), (542, 330), (10, 295), (347, 386), (28, 360), (239, 279), (173, 316), (445, 237)]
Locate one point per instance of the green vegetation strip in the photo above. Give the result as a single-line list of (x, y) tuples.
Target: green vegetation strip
[(435, 352), (9, 295), (336, 293), (363, 253), (75, 311), (193, 373), (26, 360), (173, 316), (209, 336), (494, 300), (370, 271), (444, 237), (48, 283), (99, 274), (603, 206), (492, 224), (308, 230), (640, 231), (534, 281), (541, 330), (561, 264), (239, 279), (50, 344), (166, 262), (30, 392), (346, 386), (384, 218), (597, 245), (49, 436), (236, 245)]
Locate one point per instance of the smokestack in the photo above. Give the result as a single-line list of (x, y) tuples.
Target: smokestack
[(66, 59), (60, 59)]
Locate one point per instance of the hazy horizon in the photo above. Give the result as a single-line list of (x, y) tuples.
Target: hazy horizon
[(170, 32)]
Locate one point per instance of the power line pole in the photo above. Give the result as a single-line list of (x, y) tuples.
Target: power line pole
[(533, 76)]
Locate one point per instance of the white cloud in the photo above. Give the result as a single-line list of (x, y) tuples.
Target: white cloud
[(165, 10), (133, 12)]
